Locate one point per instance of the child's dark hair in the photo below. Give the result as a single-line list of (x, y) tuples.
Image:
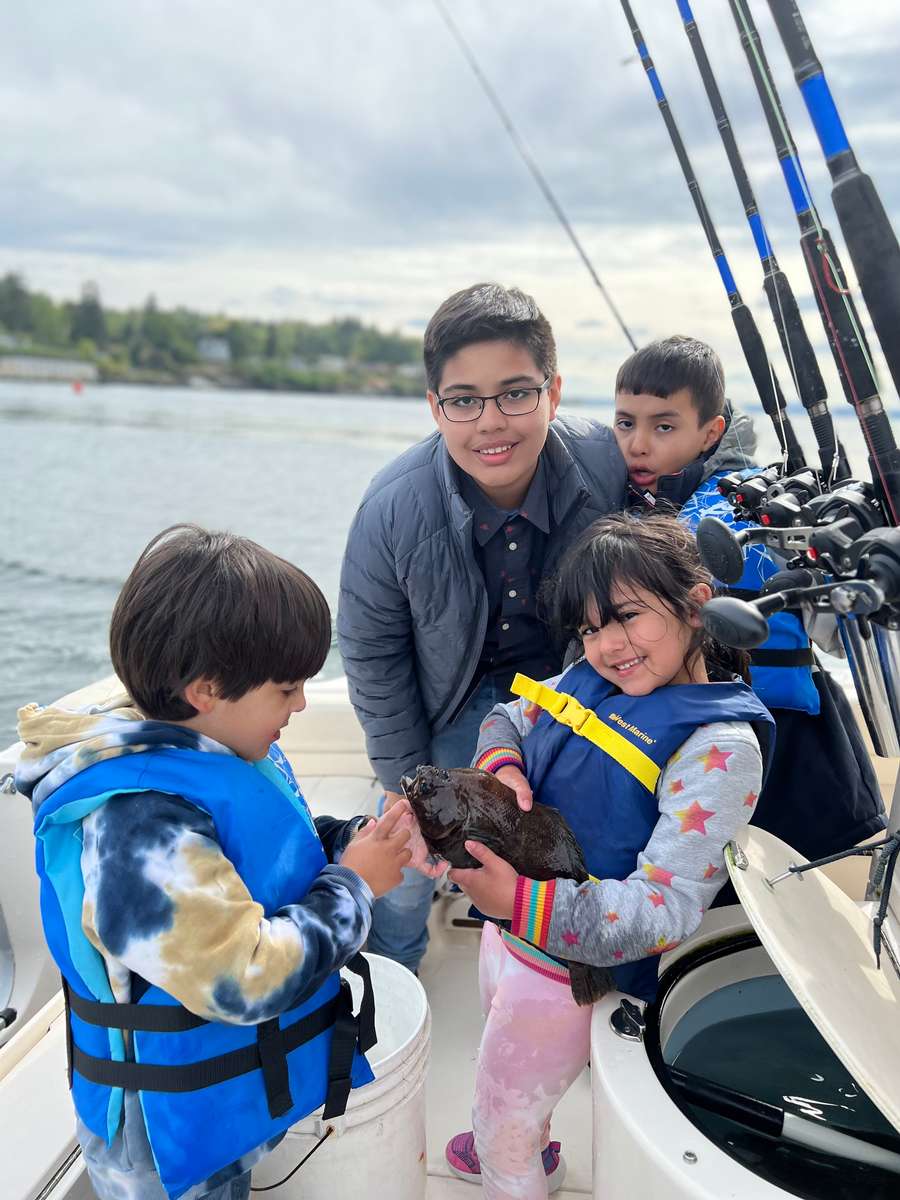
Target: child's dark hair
[(673, 363), (656, 553), (213, 605), (487, 312)]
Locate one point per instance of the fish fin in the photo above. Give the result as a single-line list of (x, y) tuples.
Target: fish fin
[(588, 983)]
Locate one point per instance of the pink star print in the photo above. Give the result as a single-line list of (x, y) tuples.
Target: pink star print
[(656, 899), (570, 938), (612, 917), (693, 819), (658, 874), (715, 760), (619, 954), (676, 786), (710, 871), (750, 799)]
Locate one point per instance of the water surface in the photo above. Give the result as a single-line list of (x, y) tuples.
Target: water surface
[(89, 478)]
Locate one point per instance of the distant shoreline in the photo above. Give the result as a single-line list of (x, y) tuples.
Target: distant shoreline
[(78, 373), (349, 393)]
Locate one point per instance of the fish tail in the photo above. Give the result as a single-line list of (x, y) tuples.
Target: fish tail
[(588, 983)]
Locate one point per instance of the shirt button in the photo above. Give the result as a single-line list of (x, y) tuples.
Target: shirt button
[(505, 626), (513, 545), (513, 593)]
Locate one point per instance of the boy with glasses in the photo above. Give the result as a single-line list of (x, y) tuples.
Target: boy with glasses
[(438, 605)]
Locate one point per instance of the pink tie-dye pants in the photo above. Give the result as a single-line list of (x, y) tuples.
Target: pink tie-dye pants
[(536, 1042)]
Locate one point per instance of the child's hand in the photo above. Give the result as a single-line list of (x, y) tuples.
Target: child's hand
[(492, 886), (421, 858), (515, 779), (380, 850)]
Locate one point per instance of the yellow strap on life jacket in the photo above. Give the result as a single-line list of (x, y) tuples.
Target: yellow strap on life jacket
[(585, 722)]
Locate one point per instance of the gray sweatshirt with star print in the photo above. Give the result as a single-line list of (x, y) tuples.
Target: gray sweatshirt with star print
[(706, 793)]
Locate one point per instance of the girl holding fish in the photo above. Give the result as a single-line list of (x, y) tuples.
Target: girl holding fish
[(654, 750)]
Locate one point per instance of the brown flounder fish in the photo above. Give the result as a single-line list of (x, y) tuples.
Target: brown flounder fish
[(453, 806)]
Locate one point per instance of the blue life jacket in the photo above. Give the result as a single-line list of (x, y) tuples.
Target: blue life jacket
[(781, 668), (612, 809), (210, 1091)]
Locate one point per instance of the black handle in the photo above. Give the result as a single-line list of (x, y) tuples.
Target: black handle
[(794, 340)]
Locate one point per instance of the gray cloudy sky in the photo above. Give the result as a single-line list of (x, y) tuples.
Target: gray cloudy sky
[(287, 159)]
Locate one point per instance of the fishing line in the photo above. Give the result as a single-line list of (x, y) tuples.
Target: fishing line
[(531, 164)]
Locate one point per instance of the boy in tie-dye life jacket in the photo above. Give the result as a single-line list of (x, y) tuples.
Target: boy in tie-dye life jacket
[(197, 912)]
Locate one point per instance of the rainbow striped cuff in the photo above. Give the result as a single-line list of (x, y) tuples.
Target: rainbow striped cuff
[(503, 756), (532, 909), (536, 959)]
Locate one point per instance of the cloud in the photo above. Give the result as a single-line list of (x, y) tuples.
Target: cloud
[(310, 160)]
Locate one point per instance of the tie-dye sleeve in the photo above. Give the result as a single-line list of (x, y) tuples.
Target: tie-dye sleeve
[(163, 901)]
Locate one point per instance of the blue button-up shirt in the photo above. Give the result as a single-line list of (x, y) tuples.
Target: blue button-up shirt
[(510, 548)]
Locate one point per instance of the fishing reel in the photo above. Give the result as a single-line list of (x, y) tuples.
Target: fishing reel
[(840, 517), (869, 588), (768, 492), (817, 529)]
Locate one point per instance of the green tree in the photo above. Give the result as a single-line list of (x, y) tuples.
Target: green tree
[(241, 341), (49, 321), (15, 306), (88, 320)]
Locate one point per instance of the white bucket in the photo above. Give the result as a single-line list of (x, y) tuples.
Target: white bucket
[(378, 1146)]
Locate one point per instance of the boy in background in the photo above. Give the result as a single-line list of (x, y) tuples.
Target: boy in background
[(447, 551), (678, 439), (196, 911)]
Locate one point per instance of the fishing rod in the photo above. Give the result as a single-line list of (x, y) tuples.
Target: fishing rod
[(763, 375), (839, 316), (867, 230), (795, 341), (531, 164)]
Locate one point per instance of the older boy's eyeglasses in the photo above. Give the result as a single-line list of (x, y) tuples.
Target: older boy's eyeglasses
[(514, 402)]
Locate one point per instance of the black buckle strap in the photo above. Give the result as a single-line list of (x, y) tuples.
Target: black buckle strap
[(269, 1053), (782, 658), (70, 1045), (190, 1077), (274, 1064), (368, 1036), (146, 1018), (349, 1031), (343, 1045)]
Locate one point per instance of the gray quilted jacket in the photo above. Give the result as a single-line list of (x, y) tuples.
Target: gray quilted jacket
[(413, 607)]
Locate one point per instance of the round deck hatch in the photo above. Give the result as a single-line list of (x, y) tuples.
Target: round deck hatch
[(821, 944)]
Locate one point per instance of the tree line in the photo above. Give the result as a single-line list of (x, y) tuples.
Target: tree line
[(159, 345)]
